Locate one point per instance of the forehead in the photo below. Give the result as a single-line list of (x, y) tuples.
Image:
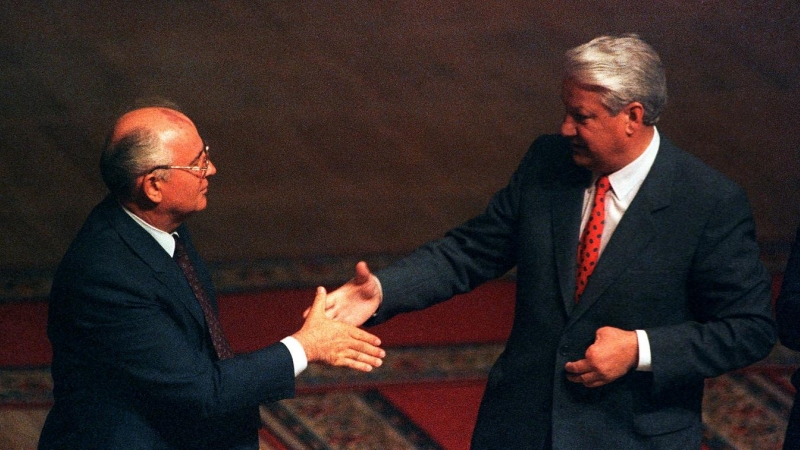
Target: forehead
[(581, 97), (189, 152), (181, 136), (573, 92)]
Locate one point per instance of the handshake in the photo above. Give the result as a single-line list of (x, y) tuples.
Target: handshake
[(330, 333)]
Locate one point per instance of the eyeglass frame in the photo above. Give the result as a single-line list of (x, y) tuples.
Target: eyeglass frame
[(202, 170)]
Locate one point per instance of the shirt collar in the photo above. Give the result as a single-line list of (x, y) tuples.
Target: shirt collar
[(164, 239)]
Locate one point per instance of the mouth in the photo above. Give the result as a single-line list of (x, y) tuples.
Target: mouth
[(578, 148)]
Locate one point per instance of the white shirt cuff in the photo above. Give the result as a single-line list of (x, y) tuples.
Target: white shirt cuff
[(645, 359), (299, 358), (380, 290)]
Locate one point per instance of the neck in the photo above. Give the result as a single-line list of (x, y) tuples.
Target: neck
[(152, 216), (643, 138), (635, 145)]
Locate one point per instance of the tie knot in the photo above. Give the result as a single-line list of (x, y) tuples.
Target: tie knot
[(180, 249), (603, 184)]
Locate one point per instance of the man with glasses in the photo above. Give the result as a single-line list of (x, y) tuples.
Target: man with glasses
[(139, 358)]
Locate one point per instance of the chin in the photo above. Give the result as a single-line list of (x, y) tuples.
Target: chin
[(582, 161)]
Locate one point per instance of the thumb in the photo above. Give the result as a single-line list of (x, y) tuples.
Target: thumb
[(362, 272), (319, 301)]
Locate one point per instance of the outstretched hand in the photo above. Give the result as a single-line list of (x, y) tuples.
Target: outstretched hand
[(614, 353), (355, 301), (337, 343)]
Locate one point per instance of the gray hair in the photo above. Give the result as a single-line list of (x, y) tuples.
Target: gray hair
[(625, 69), (134, 154)]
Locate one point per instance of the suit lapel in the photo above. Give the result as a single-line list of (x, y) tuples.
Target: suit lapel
[(566, 208), (636, 229), (148, 250)]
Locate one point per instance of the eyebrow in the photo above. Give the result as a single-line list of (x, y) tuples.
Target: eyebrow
[(199, 155)]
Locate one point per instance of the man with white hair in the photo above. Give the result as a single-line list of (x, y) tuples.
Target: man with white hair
[(638, 273)]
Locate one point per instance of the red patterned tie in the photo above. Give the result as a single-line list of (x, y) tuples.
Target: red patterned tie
[(589, 246), (221, 345)]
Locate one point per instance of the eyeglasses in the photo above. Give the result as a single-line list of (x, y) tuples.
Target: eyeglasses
[(201, 169)]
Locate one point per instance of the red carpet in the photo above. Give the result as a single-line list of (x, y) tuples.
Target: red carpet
[(23, 335), (254, 320), (446, 411), (484, 315)]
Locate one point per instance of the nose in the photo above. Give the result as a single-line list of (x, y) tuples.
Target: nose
[(212, 169), (568, 126)]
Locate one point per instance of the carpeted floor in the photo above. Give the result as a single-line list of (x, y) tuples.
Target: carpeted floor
[(426, 395)]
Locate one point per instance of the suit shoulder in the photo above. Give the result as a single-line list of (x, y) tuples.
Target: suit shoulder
[(696, 174), (548, 158), (97, 252), (549, 147)]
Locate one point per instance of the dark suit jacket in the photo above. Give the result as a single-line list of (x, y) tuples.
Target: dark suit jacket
[(133, 364), (787, 312), (683, 264)]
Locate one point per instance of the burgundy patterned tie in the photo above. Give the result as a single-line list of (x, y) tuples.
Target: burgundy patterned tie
[(589, 246), (221, 345)]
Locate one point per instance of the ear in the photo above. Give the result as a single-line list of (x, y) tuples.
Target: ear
[(635, 114), (151, 188)]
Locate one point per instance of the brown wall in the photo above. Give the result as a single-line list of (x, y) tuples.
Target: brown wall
[(367, 127)]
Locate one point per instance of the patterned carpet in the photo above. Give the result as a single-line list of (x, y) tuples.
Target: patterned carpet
[(748, 409), (344, 419), (339, 409)]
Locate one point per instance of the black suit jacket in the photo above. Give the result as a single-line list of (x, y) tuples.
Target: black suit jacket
[(787, 312), (682, 264), (133, 364)]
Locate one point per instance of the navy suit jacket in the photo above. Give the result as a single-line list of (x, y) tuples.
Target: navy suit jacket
[(787, 312), (133, 364), (682, 264)]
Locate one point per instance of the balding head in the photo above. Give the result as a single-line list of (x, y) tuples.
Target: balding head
[(166, 123), (141, 140)]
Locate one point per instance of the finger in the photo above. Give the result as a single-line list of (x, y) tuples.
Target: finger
[(587, 380), (361, 335), (578, 367), (367, 349), (575, 378), (318, 307), (584, 378), (306, 312), (349, 363), (362, 272), (595, 383), (368, 359), (358, 361)]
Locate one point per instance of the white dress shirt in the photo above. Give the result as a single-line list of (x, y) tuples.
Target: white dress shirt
[(625, 183)]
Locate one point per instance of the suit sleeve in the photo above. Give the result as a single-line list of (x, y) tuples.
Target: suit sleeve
[(788, 304), (729, 300), (479, 250)]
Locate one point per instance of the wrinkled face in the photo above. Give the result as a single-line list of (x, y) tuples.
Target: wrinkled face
[(597, 137), (184, 190)]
